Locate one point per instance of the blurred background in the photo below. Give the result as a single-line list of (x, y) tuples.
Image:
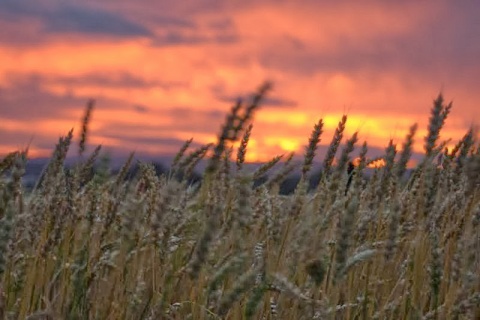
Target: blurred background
[(164, 71)]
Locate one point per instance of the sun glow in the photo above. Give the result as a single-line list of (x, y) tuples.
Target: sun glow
[(379, 163), (324, 60)]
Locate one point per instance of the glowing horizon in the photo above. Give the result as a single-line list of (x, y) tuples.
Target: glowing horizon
[(163, 76)]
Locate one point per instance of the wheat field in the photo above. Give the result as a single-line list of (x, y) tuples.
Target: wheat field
[(399, 244)]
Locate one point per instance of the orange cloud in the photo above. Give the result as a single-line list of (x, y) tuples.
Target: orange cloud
[(380, 63)]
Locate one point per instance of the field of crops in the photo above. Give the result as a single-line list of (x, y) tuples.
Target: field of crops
[(400, 244)]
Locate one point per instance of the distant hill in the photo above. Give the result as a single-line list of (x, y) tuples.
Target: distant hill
[(35, 167)]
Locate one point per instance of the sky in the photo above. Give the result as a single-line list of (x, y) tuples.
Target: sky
[(164, 71)]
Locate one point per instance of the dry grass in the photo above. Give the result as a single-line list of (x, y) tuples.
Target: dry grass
[(96, 246)]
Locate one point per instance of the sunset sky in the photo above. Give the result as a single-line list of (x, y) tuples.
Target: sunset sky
[(164, 71)]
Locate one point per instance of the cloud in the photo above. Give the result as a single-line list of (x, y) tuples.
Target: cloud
[(175, 119), (156, 141), (268, 102), (72, 18), (223, 23), (177, 38), (66, 17), (223, 94), (140, 108), (109, 80), (26, 99), (435, 43), (170, 70), (22, 139), (195, 37)]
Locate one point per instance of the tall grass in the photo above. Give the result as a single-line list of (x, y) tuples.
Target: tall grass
[(86, 245)]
